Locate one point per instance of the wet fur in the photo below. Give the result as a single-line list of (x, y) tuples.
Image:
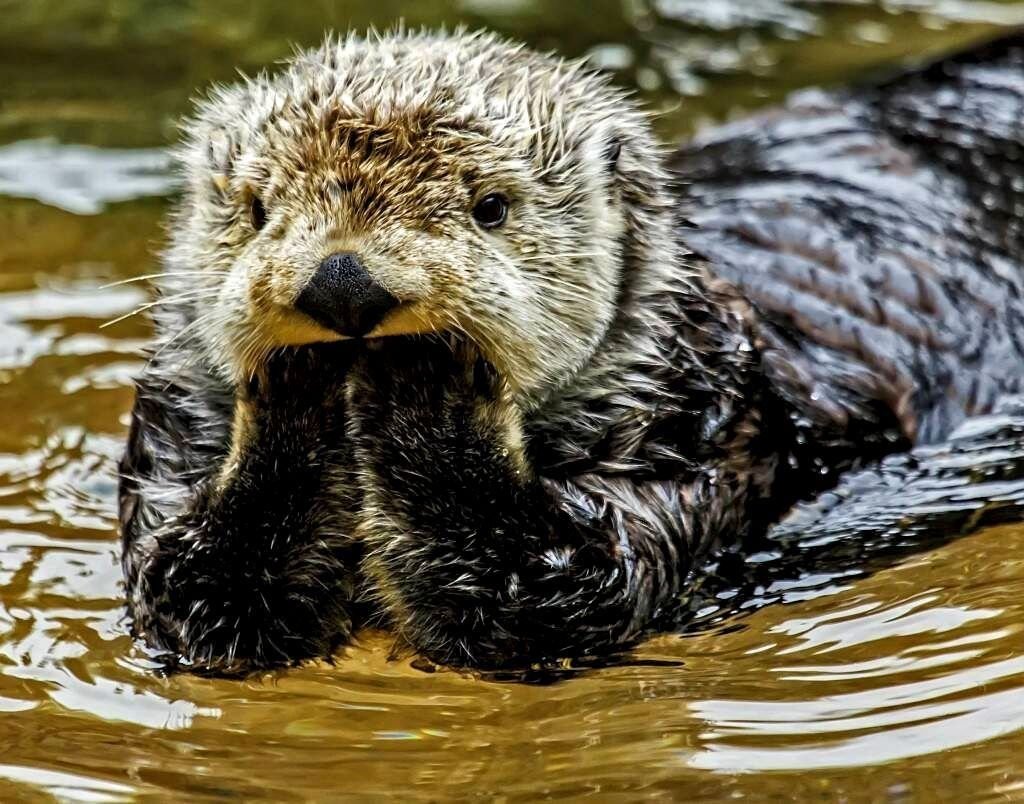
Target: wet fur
[(499, 508)]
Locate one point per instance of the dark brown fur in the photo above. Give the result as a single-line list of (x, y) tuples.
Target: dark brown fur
[(852, 296)]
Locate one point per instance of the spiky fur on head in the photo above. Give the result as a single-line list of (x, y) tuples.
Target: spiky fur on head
[(381, 145)]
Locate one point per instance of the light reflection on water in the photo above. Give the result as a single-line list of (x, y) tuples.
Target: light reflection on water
[(905, 684), (81, 179)]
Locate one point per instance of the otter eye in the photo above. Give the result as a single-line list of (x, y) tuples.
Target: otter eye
[(491, 211), (257, 213)]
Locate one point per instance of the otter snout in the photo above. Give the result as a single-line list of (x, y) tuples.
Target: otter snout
[(342, 296)]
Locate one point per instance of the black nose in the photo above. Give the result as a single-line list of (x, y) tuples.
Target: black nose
[(342, 296)]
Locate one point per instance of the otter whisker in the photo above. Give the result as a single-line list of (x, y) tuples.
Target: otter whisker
[(161, 275), (191, 295), (189, 329)]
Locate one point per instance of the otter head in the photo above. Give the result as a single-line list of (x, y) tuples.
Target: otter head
[(414, 183)]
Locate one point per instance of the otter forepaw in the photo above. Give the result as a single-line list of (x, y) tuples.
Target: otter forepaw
[(433, 403), (225, 608), (300, 380)]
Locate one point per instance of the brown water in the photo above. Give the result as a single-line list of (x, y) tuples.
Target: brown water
[(906, 685)]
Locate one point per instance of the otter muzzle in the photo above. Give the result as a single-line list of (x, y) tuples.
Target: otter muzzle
[(344, 297)]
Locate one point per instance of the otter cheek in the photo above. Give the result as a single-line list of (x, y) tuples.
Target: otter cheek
[(261, 289)]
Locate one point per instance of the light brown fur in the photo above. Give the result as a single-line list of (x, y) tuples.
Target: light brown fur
[(382, 147)]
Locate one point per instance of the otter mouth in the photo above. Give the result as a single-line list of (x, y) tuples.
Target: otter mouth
[(408, 318), (290, 325)]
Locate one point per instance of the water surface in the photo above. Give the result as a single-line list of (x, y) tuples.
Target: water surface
[(903, 685)]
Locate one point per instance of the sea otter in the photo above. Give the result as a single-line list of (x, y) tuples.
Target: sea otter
[(449, 340)]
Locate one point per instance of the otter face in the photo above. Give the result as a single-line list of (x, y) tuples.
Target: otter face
[(411, 184)]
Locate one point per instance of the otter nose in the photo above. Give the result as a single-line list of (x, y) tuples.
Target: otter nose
[(344, 297)]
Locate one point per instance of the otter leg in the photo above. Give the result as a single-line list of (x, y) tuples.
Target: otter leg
[(908, 502), (481, 563), (932, 493), (250, 564)]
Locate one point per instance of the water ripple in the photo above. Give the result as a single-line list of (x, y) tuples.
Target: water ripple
[(80, 178)]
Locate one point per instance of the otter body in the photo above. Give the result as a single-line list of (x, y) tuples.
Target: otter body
[(581, 366)]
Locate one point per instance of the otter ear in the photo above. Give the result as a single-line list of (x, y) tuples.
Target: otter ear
[(220, 155)]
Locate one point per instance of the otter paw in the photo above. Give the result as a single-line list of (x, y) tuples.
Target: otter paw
[(300, 378), (235, 614), (424, 375), (430, 405)]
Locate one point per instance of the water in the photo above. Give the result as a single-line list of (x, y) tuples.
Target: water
[(903, 685)]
